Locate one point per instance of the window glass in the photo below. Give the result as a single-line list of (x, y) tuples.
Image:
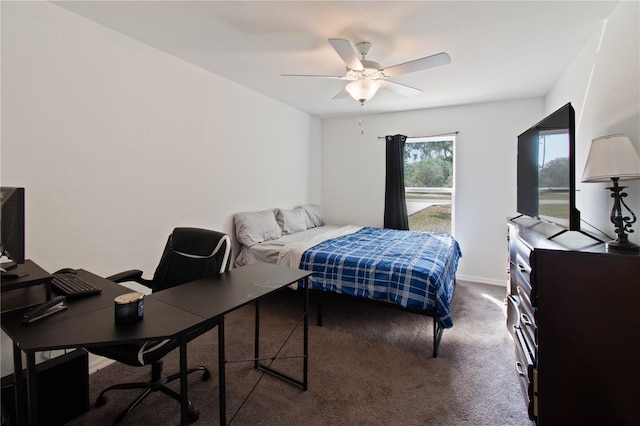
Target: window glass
[(428, 180)]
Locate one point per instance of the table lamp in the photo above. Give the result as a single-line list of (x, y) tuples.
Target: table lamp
[(614, 158)]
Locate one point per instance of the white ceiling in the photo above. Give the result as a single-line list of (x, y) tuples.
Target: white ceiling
[(499, 50)]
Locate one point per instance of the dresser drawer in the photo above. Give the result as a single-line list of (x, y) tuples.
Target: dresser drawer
[(513, 315), (524, 269), (525, 279), (522, 251), (525, 368), (523, 287), (527, 324), (513, 273)]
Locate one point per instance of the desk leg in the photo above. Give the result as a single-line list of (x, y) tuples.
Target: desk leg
[(21, 406), (305, 346), (184, 397), (305, 343), (32, 391), (256, 362), (221, 372)]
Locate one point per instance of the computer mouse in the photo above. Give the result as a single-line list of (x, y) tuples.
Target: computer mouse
[(66, 271)]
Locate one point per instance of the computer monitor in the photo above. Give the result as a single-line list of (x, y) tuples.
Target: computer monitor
[(12, 218)]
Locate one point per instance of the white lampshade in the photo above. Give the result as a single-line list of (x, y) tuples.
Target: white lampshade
[(363, 89), (611, 157)]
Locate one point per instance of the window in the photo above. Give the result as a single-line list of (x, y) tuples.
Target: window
[(428, 181)]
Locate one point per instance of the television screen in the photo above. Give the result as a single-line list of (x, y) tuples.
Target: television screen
[(12, 226), (553, 177), (546, 170)]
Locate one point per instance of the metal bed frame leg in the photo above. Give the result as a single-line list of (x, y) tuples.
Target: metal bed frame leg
[(438, 330)]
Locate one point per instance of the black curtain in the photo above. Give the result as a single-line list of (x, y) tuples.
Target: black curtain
[(395, 206)]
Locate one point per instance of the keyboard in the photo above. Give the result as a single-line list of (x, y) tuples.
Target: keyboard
[(70, 285)]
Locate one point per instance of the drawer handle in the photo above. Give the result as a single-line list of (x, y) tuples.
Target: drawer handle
[(525, 319), (522, 269), (520, 369)]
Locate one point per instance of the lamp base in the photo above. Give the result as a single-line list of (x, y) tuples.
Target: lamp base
[(627, 246), (621, 222)]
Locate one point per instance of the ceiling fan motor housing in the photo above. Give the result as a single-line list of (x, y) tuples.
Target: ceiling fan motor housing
[(371, 68), (363, 48)]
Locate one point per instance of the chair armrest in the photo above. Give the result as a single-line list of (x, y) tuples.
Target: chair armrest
[(131, 275)]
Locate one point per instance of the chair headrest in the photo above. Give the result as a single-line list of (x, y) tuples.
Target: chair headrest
[(195, 241)]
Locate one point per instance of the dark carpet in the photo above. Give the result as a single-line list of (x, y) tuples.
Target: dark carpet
[(367, 365)]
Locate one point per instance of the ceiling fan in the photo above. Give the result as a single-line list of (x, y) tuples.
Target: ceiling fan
[(366, 77)]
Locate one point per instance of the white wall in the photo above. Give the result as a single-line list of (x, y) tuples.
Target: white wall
[(117, 143), (603, 84), (353, 173)]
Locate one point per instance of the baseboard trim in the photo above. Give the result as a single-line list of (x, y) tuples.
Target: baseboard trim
[(98, 362), (482, 280)]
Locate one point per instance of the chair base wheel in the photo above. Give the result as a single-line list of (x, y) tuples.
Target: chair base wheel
[(193, 415), (101, 400), (206, 375)]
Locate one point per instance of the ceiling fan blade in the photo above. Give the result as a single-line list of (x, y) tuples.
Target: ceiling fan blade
[(343, 94), (347, 53), (400, 89), (335, 77), (418, 65)]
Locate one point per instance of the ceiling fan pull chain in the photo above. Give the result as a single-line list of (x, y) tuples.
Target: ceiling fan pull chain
[(361, 120)]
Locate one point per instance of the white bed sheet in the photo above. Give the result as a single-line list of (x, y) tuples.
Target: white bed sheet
[(288, 249)]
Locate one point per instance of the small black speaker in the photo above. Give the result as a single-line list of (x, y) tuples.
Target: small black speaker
[(63, 390)]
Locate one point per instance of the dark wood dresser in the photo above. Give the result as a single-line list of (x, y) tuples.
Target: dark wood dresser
[(573, 309)]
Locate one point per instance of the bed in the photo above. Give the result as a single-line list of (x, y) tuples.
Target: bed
[(412, 271)]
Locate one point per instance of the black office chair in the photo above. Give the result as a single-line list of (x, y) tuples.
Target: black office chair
[(190, 254)]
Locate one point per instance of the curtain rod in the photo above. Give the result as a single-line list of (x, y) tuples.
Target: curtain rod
[(430, 136)]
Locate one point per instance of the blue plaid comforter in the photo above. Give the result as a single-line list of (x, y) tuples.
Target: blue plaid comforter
[(412, 269)]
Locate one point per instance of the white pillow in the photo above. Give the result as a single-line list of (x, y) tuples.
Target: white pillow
[(314, 215), (256, 227), (292, 221)]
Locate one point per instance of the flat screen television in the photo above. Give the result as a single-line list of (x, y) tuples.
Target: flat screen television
[(12, 223), (546, 184)]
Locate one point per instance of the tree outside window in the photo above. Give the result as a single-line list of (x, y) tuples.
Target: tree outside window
[(428, 179)]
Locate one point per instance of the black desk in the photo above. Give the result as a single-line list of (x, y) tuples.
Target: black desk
[(174, 312)]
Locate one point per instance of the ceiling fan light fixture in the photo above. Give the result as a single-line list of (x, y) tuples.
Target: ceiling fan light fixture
[(362, 90)]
